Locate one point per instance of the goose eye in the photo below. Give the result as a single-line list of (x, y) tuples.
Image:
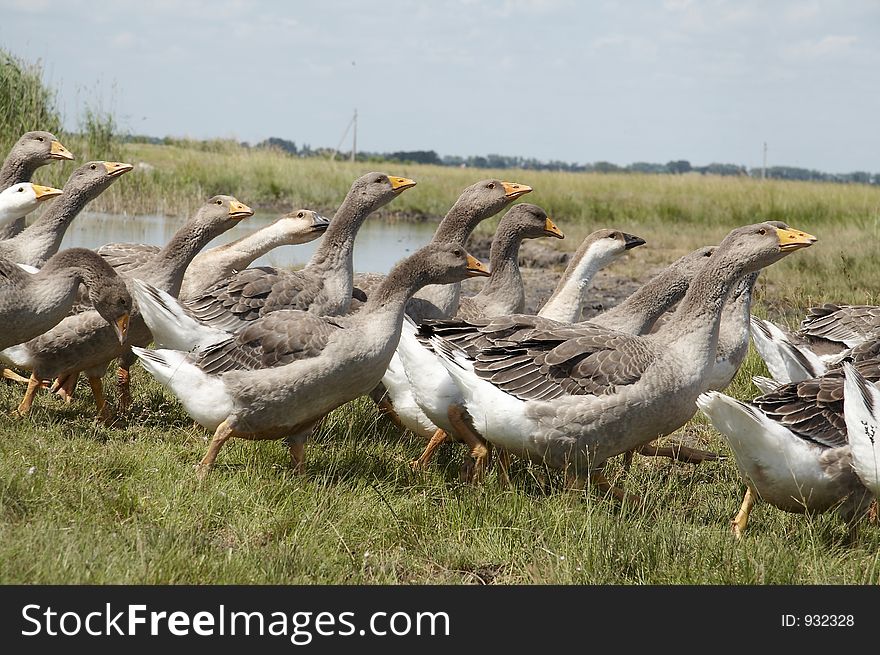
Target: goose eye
[(613, 235), (219, 202), (491, 185), (300, 215), (39, 138), (762, 231), (379, 179), (20, 189), (93, 167)]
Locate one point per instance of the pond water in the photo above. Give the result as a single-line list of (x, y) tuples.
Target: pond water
[(379, 245)]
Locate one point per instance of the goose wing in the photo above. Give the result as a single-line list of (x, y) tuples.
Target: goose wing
[(254, 292), (125, 257), (277, 339), (849, 324), (813, 409), (473, 335), (535, 363)]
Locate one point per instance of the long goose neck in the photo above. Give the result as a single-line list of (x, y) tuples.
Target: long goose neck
[(337, 247), (698, 317), (456, 228), (385, 307), (57, 282), (43, 237), (567, 300), (242, 252), (506, 279), (398, 286), (736, 315), (17, 169), (458, 224), (638, 313), (170, 263)]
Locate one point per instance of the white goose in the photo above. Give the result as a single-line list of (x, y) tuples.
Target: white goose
[(288, 369), (861, 410), (801, 440), (573, 396), (502, 293), (827, 334), (21, 199), (435, 392)]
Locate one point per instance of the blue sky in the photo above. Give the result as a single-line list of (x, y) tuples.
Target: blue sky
[(708, 81)]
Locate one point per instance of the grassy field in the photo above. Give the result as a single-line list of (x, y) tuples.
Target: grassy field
[(81, 503), (84, 503), (674, 213)]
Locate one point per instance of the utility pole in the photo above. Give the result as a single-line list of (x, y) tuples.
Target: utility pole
[(351, 123), (354, 138), (764, 165)]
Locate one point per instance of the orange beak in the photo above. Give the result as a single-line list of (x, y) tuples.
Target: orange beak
[(476, 268), (551, 230), (117, 168), (58, 151), (399, 184), (512, 190), (239, 210), (45, 192)]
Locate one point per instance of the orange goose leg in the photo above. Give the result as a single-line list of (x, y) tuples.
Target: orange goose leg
[(738, 525), (33, 385), (9, 374), (105, 413), (421, 463), (479, 449), (221, 435)]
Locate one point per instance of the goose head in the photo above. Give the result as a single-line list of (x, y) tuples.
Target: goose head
[(302, 225), (755, 246), (606, 245), (20, 199), (442, 263), (488, 197), (92, 178), (374, 190), (221, 213), (113, 302), (530, 222), (692, 263), (40, 146)]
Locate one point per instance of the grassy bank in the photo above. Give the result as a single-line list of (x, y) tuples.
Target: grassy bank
[(674, 213), (81, 503), (84, 503)]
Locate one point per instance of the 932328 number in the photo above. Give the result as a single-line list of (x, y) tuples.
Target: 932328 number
[(828, 620)]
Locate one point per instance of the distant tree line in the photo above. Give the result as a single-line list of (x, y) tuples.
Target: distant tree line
[(676, 167)]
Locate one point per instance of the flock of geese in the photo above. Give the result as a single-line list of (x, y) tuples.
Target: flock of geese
[(261, 353)]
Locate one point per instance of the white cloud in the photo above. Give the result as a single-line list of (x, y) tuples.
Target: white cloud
[(676, 5), (533, 6), (624, 41), (124, 40), (801, 11), (28, 6), (831, 45)]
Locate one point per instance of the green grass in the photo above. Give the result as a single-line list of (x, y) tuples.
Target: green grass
[(25, 102), (81, 503), (674, 213)]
